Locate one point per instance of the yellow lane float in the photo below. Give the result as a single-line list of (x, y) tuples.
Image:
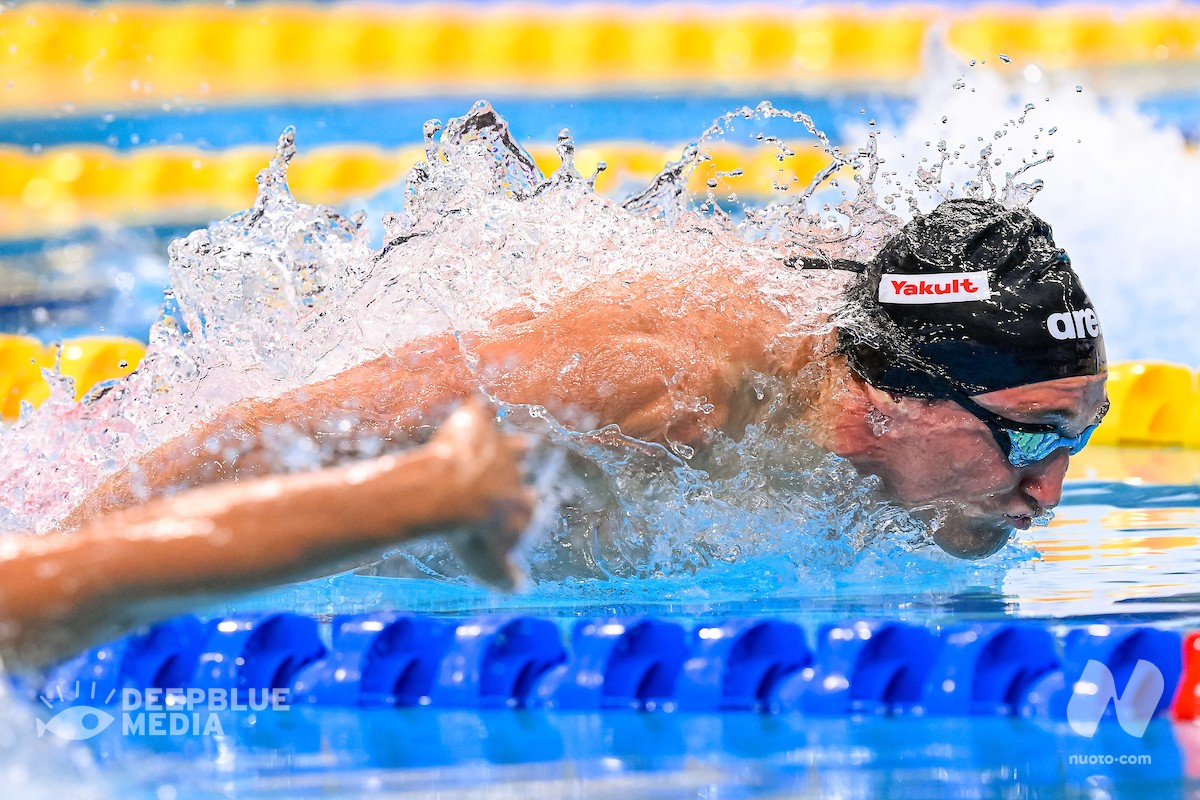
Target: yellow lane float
[(89, 360), (1153, 403), (109, 55), (66, 187)]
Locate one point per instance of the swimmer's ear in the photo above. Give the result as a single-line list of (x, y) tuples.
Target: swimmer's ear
[(882, 400), (894, 406)]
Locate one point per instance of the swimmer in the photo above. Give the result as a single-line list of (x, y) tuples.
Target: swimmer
[(969, 367), (60, 592)]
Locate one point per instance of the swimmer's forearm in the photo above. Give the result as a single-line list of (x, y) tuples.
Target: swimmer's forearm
[(269, 529), (384, 397), (61, 588)]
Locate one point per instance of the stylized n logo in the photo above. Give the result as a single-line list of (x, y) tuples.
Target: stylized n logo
[(1096, 687)]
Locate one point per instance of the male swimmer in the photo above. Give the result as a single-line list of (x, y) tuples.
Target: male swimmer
[(61, 592), (964, 366)]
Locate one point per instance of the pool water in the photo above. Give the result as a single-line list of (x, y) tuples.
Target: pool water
[(425, 753), (1117, 552)]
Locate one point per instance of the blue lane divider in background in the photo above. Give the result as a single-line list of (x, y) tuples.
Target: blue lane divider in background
[(392, 122), (1121, 650), (395, 121), (495, 662), (866, 667), (735, 665), (386, 659)]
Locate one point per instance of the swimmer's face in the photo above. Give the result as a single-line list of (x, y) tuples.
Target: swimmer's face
[(942, 452)]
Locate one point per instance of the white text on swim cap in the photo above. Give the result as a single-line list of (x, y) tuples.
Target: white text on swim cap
[(1074, 324), (949, 287)]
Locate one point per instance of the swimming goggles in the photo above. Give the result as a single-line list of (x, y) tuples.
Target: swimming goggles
[(1025, 443)]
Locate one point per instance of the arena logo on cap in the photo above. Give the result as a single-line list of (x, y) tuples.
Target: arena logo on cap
[(949, 287), (1079, 324)]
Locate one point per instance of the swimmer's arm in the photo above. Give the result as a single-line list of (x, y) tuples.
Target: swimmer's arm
[(61, 592), (380, 397), (614, 354)]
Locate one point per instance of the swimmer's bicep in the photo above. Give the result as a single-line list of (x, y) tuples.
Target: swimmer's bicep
[(631, 378)]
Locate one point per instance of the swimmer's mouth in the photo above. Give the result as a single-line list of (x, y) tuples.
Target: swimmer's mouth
[(1021, 522)]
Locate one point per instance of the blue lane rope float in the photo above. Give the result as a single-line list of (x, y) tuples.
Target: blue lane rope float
[(988, 670), (866, 667), (377, 660), (644, 664), (732, 664)]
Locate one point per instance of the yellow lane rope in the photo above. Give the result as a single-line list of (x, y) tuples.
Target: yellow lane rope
[(62, 188), (89, 360), (1155, 404), (102, 55)]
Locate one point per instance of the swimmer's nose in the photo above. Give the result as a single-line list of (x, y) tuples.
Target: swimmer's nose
[(1042, 481)]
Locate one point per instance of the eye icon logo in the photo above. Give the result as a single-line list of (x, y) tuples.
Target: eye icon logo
[(76, 723)]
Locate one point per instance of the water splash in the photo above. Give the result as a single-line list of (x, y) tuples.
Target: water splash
[(284, 294), (1112, 181)]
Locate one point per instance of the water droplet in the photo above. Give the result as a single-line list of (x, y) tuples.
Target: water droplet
[(1005, 59)]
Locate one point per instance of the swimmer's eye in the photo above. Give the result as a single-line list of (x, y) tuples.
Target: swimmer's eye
[(1027, 443)]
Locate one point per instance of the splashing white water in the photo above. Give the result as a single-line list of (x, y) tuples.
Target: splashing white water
[(284, 294), (1117, 188)]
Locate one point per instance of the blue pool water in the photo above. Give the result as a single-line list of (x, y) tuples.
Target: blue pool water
[(407, 753)]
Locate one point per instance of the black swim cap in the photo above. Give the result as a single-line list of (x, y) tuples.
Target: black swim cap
[(972, 297)]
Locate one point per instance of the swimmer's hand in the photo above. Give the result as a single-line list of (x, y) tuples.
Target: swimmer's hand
[(60, 592), (484, 476)]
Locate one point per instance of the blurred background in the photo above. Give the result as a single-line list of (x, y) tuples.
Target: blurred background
[(123, 125)]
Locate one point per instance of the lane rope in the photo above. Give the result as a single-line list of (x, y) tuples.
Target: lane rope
[(111, 55), (861, 667)]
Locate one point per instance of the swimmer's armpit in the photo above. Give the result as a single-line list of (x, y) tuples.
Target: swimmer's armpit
[(62, 592)]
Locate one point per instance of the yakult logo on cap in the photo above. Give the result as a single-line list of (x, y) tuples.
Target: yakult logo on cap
[(949, 287), (1074, 324)]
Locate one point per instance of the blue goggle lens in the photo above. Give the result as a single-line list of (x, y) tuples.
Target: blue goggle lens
[(1026, 448)]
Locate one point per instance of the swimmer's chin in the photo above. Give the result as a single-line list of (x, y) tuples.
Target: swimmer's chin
[(974, 538)]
